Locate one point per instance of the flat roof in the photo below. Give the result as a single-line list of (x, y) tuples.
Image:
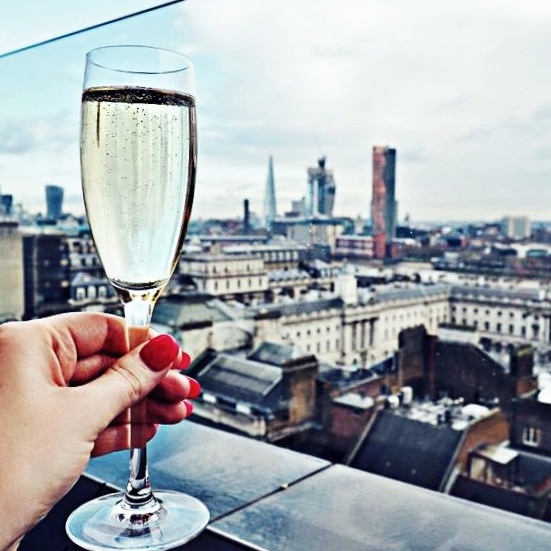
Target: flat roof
[(497, 454)]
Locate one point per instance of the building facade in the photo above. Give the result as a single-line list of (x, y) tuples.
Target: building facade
[(12, 302), (46, 273), (235, 276), (504, 315), (516, 227)]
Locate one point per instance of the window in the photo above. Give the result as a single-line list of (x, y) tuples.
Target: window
[(531, 436)]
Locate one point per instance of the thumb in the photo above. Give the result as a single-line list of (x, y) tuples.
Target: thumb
[(131, 378)]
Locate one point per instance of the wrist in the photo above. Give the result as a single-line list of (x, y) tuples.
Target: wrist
[(11, 546)]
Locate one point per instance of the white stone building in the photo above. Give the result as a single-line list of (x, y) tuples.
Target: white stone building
[(226, 276), (504, 314)]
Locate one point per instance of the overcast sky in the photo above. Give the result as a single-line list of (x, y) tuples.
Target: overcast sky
[(461, 88)]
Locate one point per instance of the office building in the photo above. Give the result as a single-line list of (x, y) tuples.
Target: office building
[(54, 202), (6, 205), (383, 200), (46, 273), (321, 190), (516, 227)]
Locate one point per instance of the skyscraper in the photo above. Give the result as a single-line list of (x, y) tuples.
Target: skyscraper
[(321, 190), (54, 202), (383, 199), (270, 209)]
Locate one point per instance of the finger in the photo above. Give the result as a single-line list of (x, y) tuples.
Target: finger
[(129, 379), (117, 437), (156, 411), (168, 414), (92, 366), (186, 360), (175, 387), (89, 332)]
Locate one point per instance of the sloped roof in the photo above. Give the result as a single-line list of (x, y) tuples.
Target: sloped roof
[(180, 310), (306, 307), (276, 354), (411, 292), (241, 379), (407, 450)]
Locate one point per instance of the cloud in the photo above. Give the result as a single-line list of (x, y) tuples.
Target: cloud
[(458, 87), (21, 136)]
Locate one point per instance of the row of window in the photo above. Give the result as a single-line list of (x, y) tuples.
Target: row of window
[(488, 312), (498, 327), (91, 292), (203, 268), (231, 285)]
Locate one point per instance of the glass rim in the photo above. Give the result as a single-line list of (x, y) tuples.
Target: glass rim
[(90, 58)]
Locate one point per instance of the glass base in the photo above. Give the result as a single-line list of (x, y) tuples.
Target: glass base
[(170, 520)]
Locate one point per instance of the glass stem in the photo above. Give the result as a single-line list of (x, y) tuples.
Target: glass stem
[(137, 313)]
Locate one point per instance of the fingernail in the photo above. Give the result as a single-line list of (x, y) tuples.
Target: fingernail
[(194, 388), (189, 408), (186, 360), (160, 352)]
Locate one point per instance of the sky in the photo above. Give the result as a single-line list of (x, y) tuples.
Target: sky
[(461, 89)]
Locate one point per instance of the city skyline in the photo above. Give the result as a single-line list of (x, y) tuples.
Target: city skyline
[(460, 90)]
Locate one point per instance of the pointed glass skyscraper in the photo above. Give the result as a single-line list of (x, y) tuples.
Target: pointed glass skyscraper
[(270, 198)]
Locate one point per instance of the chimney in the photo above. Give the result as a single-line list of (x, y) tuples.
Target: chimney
[(246, 218)]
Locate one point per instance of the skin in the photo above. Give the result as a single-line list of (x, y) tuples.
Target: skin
[(66, 383)]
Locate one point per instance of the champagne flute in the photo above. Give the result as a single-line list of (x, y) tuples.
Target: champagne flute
[(138, 161)]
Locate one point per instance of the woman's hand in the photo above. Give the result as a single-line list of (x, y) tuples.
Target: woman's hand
[(66, 383)]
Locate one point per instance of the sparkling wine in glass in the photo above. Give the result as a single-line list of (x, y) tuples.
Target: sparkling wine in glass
[(138, 161)]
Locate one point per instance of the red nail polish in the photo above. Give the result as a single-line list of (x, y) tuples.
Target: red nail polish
[(160, 352), (194, 388), (186, 360), (189, 408)]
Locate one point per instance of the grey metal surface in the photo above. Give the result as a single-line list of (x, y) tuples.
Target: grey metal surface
[(225, 471), (342, 509)]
